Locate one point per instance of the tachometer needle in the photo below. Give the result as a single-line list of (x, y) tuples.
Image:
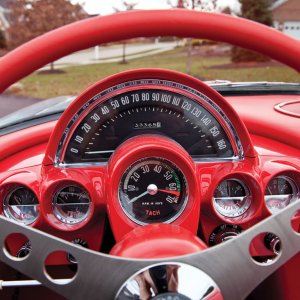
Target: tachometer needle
[(176, 193), (138, 197)]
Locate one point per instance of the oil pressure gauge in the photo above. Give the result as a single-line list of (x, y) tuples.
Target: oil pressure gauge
[(232, 198), (153, 190)]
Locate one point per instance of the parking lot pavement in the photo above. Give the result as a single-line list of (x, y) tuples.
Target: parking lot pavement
[(11, 103)]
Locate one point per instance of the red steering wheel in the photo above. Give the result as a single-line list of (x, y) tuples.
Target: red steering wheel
[(103, 275)]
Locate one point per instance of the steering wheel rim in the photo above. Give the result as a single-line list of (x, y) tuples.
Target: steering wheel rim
[(224, 28), (178, 22)]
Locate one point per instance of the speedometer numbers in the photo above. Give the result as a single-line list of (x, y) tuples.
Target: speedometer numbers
[(153, 190), (162, 107)]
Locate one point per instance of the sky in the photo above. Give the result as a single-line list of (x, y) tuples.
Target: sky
[(105, 7)]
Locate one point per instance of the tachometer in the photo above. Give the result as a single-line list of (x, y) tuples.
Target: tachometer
[(153, 190), (149, 106)]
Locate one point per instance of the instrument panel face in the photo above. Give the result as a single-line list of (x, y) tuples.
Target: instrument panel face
[(144, 107), (153, 190)]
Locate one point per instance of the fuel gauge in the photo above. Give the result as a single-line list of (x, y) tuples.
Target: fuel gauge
[(21, 205)]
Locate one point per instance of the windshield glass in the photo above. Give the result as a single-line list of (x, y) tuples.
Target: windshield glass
[(218, 63), (38, 110)]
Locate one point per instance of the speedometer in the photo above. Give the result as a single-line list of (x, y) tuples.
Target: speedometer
[(148, 106)]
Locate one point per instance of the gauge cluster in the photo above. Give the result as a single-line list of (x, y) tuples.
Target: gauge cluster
[(146, 147)]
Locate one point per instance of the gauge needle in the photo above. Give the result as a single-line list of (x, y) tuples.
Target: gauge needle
[(176, 193), (230, 198), (138, 197)]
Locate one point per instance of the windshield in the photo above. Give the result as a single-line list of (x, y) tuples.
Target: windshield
[(38, 110), (220, 64)]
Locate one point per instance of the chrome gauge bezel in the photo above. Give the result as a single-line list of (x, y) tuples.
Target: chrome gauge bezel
[(64, 219), (235, 213), (295, 193), (7, 207)]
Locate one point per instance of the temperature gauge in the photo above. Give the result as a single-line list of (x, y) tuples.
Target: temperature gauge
[(232, 198)]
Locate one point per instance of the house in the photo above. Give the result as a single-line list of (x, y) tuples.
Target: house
[(286, 16)]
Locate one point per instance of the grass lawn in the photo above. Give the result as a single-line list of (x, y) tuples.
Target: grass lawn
[(76, 79)]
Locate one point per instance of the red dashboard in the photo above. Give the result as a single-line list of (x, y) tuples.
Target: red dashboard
[(213, 193)]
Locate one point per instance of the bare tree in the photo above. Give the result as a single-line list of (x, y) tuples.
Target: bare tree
[(2, 40), (31, 18), (200, 5), (127, 6)]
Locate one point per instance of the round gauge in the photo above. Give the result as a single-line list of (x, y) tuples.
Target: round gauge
[(71, 204), (232, 198), (280, 192), (224, 233), (21, 205), (153, 190)]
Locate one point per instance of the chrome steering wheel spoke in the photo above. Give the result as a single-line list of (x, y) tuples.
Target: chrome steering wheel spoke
[(230, 264)]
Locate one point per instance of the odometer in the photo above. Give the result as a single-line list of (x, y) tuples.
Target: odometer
[(153, 190), (130, 109)]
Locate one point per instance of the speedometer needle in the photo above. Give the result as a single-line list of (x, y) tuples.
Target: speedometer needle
[(176, 193), (138, 197)]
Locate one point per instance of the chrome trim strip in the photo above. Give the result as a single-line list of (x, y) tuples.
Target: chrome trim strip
[(280, 108)]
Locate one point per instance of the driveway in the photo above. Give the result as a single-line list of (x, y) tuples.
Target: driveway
[(103, 54), (107, 54)]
